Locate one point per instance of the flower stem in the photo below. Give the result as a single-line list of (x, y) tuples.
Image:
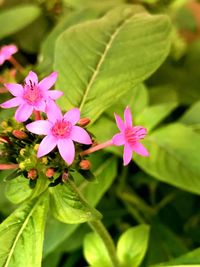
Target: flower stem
[(100, 229), (16, 64), (97, 147), (37, 115)]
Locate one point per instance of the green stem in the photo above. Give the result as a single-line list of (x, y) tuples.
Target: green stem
[(100, 229)]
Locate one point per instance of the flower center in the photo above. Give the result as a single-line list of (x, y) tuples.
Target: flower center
[(32, 94), (62, 129), (133, 134)]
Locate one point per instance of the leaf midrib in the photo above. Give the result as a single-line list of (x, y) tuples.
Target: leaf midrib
[(102, 59), (19, 234)]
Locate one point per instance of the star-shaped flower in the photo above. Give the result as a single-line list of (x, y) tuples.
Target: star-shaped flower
[(60, 131), (32, 96), (129, 136), (6, 52)]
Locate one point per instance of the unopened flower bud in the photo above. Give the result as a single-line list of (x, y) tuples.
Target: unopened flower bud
[(22, 151), (32, 174), (44, 160), (4, 124), (22, 165), (65, 176), (83, 122), (4, 139), (19, 134), (36, 147), (85, 164), (49, 172)]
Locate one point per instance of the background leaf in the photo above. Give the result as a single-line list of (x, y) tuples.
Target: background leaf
[(132, 246), (97, 72), (173, 158), (16, 18)]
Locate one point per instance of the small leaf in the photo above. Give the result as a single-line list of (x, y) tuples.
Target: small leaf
[(174, 157), (95, 71), (17, 18), (191, 116), (20, 233), (68, 205), (132, 246), (95, 251)]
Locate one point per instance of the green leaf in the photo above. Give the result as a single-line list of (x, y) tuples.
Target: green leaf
[(191, 116), (95, 252), (21, 234), (137, 99), (16, 18), (18, 190), (69, 206), (105, 172), (151, 116), (189, 259), (95, 70), (132, 246), (48, 46), (174, 157)]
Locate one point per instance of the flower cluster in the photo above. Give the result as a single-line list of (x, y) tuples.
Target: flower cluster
[(40, 136)]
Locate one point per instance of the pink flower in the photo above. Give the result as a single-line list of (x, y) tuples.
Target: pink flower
[(33, 95), (60, 131), (6, 52), (129, 136)]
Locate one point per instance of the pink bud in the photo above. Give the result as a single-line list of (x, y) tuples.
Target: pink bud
[(32, 174), (83, 122), (49, 172), (19, 134), (85, 164)]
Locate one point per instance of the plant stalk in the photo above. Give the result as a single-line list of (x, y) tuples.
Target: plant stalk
[(99, 228)]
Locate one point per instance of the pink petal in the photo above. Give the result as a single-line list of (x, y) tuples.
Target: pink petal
[(15, 89), (23, 112), (2, 59), (80, 135), (67, 150), (48, 81), (40, 106), (140, 149), (53, 111), (118, 139), (127, 154), (47, 145), (39, 127), (128, 117), (120, 123), (14, 102), (32, 76), (73, 116), (55, 94)]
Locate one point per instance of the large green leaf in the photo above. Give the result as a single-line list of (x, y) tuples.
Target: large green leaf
[(16, 18), (47, 50), (68, 205), (100, 60), (132, 246), (21, 234), (174, 157)]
